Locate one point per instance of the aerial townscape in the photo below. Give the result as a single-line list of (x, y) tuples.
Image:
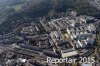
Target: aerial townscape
[(71, 36), (49, 33)]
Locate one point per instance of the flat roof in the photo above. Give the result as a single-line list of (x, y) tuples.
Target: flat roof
[(68, 54)]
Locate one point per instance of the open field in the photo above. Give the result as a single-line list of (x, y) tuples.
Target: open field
[(17, 7)]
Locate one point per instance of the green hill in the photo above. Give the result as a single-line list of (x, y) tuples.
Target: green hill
[(42, 8)]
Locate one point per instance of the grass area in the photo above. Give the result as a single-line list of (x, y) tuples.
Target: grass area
[(17, 7)]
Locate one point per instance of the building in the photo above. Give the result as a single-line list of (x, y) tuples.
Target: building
[(69, 53)]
